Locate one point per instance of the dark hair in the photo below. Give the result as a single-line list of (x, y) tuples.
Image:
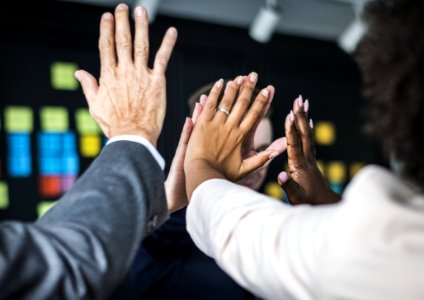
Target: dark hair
[(205, 90), (391, 58)]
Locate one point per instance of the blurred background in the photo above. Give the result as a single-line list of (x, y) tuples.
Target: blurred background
[(47, 137)]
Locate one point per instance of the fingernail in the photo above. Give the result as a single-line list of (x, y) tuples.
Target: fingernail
[(311, 124), (172, 31), (306, 105), (219, 83), (107, 16), (273, 155), (253, 77), (300, 101), (291, 116), (138, 11), (283, 177), (265, 92), (78, 75), (239, 80), (227, 86), (203, 99), (122, 6)]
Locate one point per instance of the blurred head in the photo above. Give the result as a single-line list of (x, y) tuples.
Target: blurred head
[(262, 139), (391, 58)]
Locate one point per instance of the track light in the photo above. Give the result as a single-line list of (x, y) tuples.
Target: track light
[(350, 38), (265, 22), (151, 6)]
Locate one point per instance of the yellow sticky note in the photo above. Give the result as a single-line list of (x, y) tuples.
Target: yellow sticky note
[(4, 195), (273, 189), (62, 76), (336, 171), (54, 118), (18, 119), (325, 133), (90, 145), (355, 168), (44, 206), (85, 123)]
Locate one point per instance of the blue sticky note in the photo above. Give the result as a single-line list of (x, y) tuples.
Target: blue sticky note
[(50, 166), (49, 144), (19, 166), (70, 164)]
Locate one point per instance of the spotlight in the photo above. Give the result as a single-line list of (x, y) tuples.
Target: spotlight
[(352, 35), (265, 22), (151, 6)]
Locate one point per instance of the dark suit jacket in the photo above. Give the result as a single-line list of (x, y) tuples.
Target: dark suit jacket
[(82, 247), (168, 265)]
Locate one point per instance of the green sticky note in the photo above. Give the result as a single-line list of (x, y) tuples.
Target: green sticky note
[(44, 206), (62, 76), (4, 195), (18, 119), (85, 123), (54, 118)]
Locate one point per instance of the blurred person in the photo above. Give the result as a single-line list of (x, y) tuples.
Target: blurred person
[(82, 247), (168, 265), (369, 245)]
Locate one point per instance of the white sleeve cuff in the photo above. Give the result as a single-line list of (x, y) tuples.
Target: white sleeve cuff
[(141, 140)]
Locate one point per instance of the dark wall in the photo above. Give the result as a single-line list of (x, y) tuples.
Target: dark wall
[(33, 36)]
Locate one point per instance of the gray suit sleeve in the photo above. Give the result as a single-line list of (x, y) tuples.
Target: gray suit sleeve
[(82, 247)]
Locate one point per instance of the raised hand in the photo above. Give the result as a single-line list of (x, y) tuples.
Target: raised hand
[(130, 97), (304, 184), (216, 147)]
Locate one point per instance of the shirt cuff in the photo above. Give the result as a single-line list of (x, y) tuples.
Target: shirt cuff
[(141, 140)]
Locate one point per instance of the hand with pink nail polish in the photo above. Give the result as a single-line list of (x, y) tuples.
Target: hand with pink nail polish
[(304, 184)]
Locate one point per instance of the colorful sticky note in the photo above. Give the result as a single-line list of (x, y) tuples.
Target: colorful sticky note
[(54, 118), (4, 195), (19, 165), (273, 189), (49, 144), (85, 123), (50, 186), (90, 145), (67, 182), (336, 172), (62, 76), (44, 206), (325, 133), (18, 119), (19, 144)]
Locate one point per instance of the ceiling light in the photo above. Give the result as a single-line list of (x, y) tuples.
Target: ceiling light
[(265, 22)]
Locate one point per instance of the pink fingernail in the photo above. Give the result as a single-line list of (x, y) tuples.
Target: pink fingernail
[(283, 177), (311, 124), (138, 11), (203, 99), (239, 80), (306, 106), (219, 83), (291, 116), (78, 75), (265, 92), (253, 77), (227, 86), (300, 101)]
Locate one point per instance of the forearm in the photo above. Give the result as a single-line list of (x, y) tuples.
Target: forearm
[(198, 172)]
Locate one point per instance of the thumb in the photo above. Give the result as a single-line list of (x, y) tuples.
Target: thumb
[(291, 187), (256, 161), (89, 85)]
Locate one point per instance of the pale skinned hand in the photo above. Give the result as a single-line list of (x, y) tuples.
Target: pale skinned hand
[(218, 140), (304, 184), (175, 182), (130, 97)]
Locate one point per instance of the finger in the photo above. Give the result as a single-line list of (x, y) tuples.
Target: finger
[(165, 51), (256, 111), (294, 150), (255, 162), (210, 105), (292, 188), (197, 111), (88, 84), (227, 101), (123, 38), (243, 100), (278, 146), (185, 134), (107, 42), (141, 39), (303, 128)]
